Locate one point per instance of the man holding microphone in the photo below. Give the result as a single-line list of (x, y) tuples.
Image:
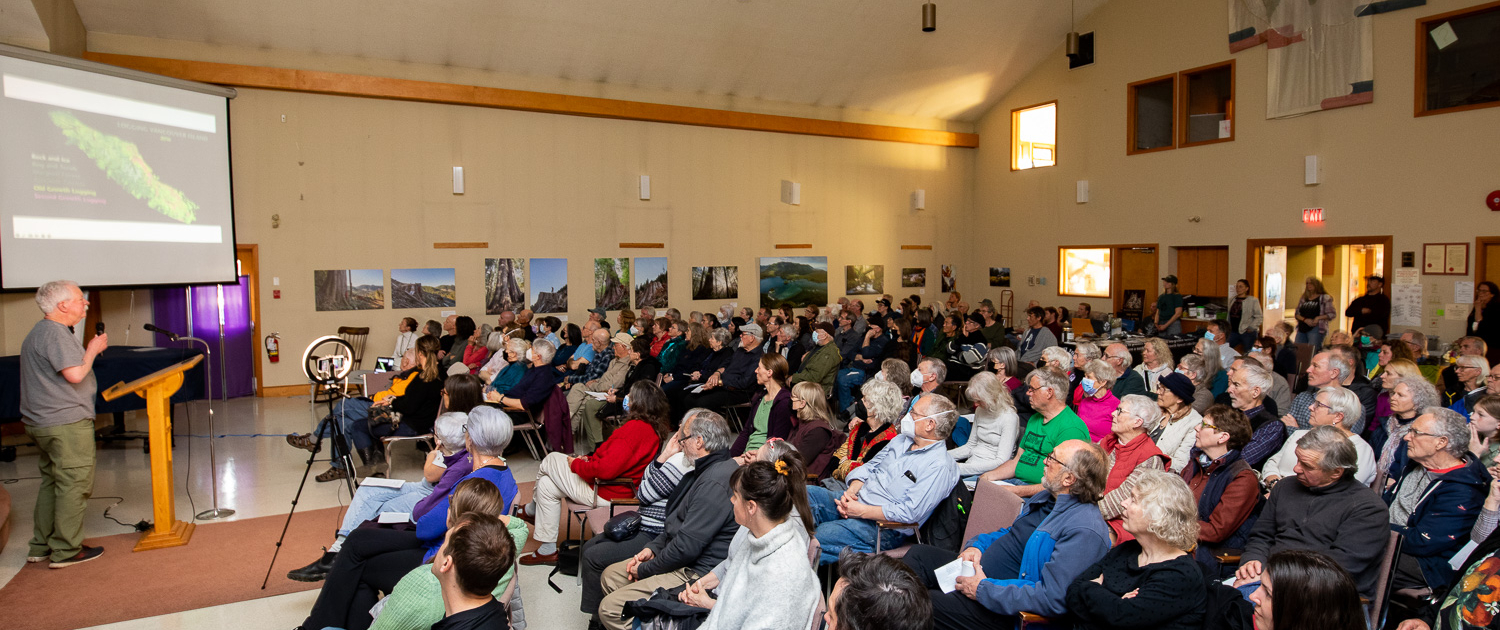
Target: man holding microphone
[(57, 407)]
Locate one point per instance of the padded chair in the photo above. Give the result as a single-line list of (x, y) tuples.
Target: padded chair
[(391, 440), (994, 509), (898, 552), (594, 518), (1382, 601)]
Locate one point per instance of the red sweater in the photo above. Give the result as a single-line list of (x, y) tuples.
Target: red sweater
[(624, 454)]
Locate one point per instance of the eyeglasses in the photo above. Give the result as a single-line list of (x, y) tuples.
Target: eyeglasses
[(1208, 425), (1320, 404), (1417, 432), (1492, 377), (1054, 460), (685, 438)]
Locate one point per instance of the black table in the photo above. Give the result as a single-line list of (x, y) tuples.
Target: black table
[(117, 364), (1181, 345)]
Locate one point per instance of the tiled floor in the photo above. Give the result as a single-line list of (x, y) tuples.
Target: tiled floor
[(258, 476)]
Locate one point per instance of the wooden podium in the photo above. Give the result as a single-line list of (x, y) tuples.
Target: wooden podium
[(157, 388)]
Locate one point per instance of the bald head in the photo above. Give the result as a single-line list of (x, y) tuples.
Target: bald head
[(599, 338)]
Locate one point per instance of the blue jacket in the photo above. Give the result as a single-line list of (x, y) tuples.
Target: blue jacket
[(1440, 524), (433, 525), (1072, 538)]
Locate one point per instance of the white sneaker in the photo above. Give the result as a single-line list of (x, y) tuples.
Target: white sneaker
[(36, 559)]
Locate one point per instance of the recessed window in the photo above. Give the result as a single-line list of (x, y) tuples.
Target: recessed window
[(1033, 136), (1083, 272), (1207, 105), (1152, 115), (1458, 60)]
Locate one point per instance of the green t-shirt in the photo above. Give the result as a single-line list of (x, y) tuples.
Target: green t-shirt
[(1166, 305), (762, 423), (1041, 437)]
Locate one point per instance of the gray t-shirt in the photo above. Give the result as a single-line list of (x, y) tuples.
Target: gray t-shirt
[(48, 399)]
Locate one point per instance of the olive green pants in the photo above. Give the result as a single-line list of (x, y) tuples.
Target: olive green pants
[(67, 467)]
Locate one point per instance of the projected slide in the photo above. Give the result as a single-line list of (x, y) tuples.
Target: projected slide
[(110, 181)]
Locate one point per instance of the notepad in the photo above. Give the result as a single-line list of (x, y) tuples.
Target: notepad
[(381, 482), (395, 517), (598, 395), (948, 574)]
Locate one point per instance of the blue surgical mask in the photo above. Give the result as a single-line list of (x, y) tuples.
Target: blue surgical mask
[(625, 404), (1089, 386), (1209, 335), (1364, 340)]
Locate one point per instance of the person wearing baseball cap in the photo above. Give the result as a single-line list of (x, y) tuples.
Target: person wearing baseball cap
[(734, 383), (1169, 308), (1371, 309)]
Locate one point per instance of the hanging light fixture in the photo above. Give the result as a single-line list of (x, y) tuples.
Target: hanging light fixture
[(929, 17), (1071, 45)]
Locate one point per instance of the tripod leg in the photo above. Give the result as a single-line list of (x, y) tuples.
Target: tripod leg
[(311, 457)]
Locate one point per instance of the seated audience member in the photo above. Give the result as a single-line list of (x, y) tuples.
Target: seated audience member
[(868, 436), (1409, 396), (1472, 372), (1156, 362), (1036, 338), (1281, 391), (848, 335), (967, 351), (1212, 373), (374, 559), (767, 559), (1093, 400), (524, 324), (671, 349), (1177, 431), (689, 376), (475, 554), (1058, 358), (904, 483), (1006, 368), (1131, 454), (1334, 407), (1324, 510), (515, 368), (1247, 393), (949, 327), (571, 338), (733, 383), (1484, 431), (626, 322), (1389, 374), (1426, 362), (477, 353), (1355, 381), (445, 465), (993, 329), (789, 346), (864, 363), (770, 409), (465, 332), (1117, 355), (1455, 384), (1282, 349), (583, 404), (813, 433), (1307, 590), (406, 336), (1028, 566), (643, 368), (417, 601), (877, 592), (1083, 352), (695, 350), (591, 359), (995, 427), (1218, 332), (623, 455), (1325, 369), (1191, 366), (1223, 485), (1051, 424), (536, 386), (417, 402), (820, 365), (698, 527), (1436, 500), (1150, 581), (495, 344)]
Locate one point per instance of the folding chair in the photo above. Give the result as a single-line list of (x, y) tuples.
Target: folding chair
[(593, 518)]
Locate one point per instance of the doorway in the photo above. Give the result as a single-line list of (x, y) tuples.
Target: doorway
[(1486, 259), (1277, 268)]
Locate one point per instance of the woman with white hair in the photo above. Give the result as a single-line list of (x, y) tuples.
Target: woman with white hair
[(1131, 454), (996, 427), (1336, 407), (1151, 581), (869, 435), (515, 352), (536, 385), (1192, 366), (1156, 362), (1409, 396), (1213, 366), (496, 345), (374, 559), (1093, 399), (1473, 375)]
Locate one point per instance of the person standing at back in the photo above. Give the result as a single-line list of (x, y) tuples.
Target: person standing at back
[(57, 406)]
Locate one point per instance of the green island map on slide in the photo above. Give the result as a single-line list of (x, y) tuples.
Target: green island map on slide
[(122, 162)]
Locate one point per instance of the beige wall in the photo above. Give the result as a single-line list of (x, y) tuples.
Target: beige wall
[(1384, 172)]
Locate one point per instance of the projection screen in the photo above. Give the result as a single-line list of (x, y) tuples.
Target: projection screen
[(111, 177)]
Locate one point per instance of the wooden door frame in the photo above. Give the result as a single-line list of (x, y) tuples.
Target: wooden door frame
[(1254, 254), (1479, 257), (249, 255)]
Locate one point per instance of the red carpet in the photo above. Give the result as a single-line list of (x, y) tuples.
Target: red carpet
[(224, 563)]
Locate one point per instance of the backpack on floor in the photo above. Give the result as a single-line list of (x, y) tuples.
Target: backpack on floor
[(944, 529), (568, 552)]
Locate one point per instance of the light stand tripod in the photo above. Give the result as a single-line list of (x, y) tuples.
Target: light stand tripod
[(326, 372)]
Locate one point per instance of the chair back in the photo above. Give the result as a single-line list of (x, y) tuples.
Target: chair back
[(817, 617), (1383, 583), (814, 550), (994, 508), (356, 336)]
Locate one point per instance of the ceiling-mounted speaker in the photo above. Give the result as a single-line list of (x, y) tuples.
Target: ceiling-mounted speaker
[(929, 17)]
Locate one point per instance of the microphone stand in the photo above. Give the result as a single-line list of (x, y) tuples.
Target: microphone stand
[(208, 395)]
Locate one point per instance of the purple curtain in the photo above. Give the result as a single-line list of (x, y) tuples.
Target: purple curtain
[(169, 310)]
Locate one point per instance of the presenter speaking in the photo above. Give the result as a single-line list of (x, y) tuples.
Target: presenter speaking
[(57, 406)]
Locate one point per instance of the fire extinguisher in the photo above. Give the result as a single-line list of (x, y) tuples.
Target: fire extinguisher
[(273, 347)]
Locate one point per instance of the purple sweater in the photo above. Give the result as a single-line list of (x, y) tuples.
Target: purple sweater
[(459, 465)]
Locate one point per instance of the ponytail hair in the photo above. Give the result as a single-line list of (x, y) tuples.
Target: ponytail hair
[(777, 487)]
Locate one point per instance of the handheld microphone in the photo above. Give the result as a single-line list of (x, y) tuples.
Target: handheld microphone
[(98, 328), (151, 327)]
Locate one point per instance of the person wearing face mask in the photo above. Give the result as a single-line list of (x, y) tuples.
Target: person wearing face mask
[(524, 324), (643, 367), (821, 365), (1093, 400), (508, 376), (535, 386), (904, 483), (966, 353)]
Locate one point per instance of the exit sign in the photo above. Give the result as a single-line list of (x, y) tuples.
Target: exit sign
[(1312, 215)]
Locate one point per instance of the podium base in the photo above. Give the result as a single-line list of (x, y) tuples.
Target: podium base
[(177, 536)]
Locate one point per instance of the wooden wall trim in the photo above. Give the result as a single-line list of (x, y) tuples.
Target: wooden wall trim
[(478, 245), (430, 92), (284, 391)]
